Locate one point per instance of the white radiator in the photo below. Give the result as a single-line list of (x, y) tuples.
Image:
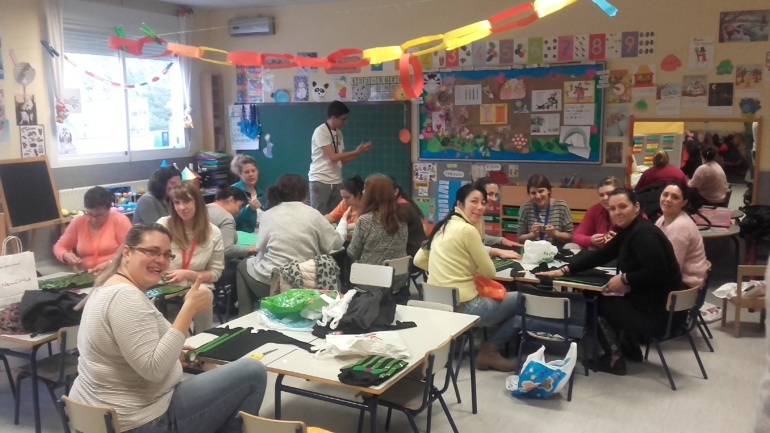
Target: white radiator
[(72, 199)]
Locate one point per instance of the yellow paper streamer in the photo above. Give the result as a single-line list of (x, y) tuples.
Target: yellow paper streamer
[(422, 41), (547, 7), (383, 54), (467, 34), (214, 50)]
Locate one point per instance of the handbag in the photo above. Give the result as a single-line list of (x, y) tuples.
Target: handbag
[(17, 272), (489, 288)]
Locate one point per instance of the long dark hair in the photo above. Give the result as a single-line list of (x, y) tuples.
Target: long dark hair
[(354, 185), (407, 197), (159, 179), (462, 194)]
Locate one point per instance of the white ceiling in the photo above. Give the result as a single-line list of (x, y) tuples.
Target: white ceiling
[(228, 4)]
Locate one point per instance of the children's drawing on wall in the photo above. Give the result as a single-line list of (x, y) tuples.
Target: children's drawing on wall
[(577, 139), (319, 91), (668, 99), (249, 85), (644, 76), (546, 100), (5, 132), (72, 100), (301, 92), (616, 121), (578, 92), (544, 124), (720, 99), (744, 26), (307, 71), (26, 110), (32, 140), (702, 53), (65, 133), (513, 89), (613, 152), (2, 104), (2, 70), (694, 91), (340, 88), (424, 171), (748, 77), (620, 87)]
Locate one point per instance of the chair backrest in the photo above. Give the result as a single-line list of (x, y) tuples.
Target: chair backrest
[(68, 338), (400, 266), (703, 291), (545, 307), (86, 418), (682, 300), (257, 424), (440, 295), (430, 305), (371, 275), (440, 355)]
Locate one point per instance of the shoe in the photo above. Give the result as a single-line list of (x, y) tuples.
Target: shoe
[(632, 351), (619, 369), (489, 357)]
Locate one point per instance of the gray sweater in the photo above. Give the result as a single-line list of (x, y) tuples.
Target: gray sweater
[(372, 245), (226, 223), (290, 231), (148, 210)]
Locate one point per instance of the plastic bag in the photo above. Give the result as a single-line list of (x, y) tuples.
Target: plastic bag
[(489, 288), (385, 343), (292, 302), (540, 378), (536, 252)]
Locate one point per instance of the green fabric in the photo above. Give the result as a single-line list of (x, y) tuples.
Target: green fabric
[(80, 280)]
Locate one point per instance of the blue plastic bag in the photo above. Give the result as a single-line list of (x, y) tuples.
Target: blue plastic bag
[(539, 378)]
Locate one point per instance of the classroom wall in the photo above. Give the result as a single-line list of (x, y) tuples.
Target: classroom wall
[(370, 23), (21, 28)]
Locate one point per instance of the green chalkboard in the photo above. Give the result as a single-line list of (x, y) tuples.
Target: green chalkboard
[(291, 127)]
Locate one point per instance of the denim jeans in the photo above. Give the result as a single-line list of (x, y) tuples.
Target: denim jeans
[(210, 401), (493, 312), (324, 197)]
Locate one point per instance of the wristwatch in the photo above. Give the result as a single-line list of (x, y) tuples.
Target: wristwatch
[(624, 280)]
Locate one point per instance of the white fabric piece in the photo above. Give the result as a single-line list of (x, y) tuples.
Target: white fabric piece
[(386, 343), (335, 308), (751, 289)]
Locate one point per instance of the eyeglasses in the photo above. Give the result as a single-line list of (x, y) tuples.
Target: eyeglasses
[(154, 253), (97, 215)]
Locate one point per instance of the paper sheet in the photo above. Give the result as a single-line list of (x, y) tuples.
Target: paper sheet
[(544, 124), (579, 114)]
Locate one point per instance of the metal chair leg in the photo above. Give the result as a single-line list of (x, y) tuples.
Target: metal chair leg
[(10, 376), (647, 350), (665, 365), (361, 421), (448, 415), (387, 419), (410, 417), (703, 334), (430, 414), (705, 325), (18, 399), (697, 356)]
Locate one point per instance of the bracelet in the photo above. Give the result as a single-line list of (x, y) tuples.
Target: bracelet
[(623, 279), (564, 270)]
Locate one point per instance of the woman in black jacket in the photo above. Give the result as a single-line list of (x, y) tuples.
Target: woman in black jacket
[(636, 296)]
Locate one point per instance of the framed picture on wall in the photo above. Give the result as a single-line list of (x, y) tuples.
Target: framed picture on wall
[(614, 152)]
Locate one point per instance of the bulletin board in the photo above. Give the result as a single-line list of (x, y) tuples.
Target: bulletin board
[(28, 195), (540, 114)]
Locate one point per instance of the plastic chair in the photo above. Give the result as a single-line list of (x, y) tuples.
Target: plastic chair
[(85, 418), (678, 301), (400, 267), (257, 424), (412, 396), (555, 313), (371, 275), (54, 371), (429, 305), (758, 303)]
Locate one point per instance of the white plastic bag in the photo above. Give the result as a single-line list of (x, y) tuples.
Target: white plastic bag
[(540, 378), (536, 252), (751, 289), (385, 343), (335, 308)]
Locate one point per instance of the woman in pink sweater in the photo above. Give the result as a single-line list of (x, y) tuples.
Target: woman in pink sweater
[(91, 240), (683, 234), (595, 230), (709, 179)]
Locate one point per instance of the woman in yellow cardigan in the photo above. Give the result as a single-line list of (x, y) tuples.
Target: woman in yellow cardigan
[(453, 254)]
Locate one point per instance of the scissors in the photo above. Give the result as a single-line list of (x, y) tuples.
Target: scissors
[(262, 355)]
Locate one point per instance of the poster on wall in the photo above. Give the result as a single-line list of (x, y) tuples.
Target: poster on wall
[(744, 26), (702, 53), (307, 71), (668, 99), (748, 77), (2, 70), (613, 152), (694, 91), (26, 109), (721, 99), (621, 82), (248, 84), (5, 132), (445, 196), (32, 140), (244, 128), (2, 104), (511, 115), (616, 121)]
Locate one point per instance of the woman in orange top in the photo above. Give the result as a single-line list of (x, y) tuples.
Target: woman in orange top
[(352, 193), (91, 240)]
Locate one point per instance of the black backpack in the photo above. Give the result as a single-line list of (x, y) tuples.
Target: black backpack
[(43, 311), (756, 223), (649, 200)]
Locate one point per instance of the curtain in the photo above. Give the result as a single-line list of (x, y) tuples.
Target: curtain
[(55, 30)]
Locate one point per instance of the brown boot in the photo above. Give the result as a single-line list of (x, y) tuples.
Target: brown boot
[(489, 357)]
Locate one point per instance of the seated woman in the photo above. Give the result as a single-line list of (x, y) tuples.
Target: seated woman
[(154, 203), (693, 157), (596, 228), (414, 215), (710, 179), (228, 201), (453, 255), (542, 217), (648, 271), (196, 243), (381, 231), (130, 355), (683, 234), (95, 236), (661, 171), (493, 194), (289, 230), (351, 191), (245, 167)]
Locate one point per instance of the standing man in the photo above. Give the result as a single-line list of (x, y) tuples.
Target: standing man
[(328, 155)]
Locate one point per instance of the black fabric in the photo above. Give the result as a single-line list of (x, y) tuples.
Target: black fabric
[(594, 277), (371, 371), (621, 314), (649, 200), (370, 307), (323, 331), (564, 255), (611, 264), (44, 311), (756, 223), (647, 258), (517, 270), (245, 342), (416, 231)]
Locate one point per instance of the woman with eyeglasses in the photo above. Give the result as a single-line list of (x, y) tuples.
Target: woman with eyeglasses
[(131, 358), (543, 217), (91, 240), (196, 243)]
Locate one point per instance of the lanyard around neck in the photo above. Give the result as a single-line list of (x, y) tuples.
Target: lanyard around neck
[(334, 138), (547, 217), (186, 259)]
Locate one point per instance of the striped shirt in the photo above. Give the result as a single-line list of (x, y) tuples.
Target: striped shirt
[(129, 356), (559, 216)]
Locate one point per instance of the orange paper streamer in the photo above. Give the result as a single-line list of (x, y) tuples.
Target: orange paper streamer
[(506, 14), (413, 89)]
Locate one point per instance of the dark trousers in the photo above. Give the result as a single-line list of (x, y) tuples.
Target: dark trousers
[(623, 316)]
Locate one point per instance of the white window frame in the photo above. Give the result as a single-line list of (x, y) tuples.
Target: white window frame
[(93, 16)]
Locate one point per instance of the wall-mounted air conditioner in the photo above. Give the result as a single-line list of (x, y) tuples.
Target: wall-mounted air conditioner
[(251, 26)]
